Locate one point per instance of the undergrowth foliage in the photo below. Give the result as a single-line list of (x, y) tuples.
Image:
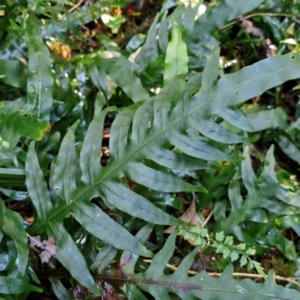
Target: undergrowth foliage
[(178, 126)]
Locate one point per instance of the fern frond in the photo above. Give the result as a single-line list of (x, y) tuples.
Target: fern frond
[(154, 125), (160, 284), (149, 131), (265, 197)]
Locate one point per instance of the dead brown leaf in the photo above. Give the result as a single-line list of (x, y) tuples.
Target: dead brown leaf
[(189, 216), (49, 247)]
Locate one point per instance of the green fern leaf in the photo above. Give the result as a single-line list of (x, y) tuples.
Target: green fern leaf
[(265, 196), (201, 286), (38, 192), (176, 62), (11, 286), (149, 51), (11, 225), (64, 169), (121, 71), (15, 73), (59, 290), (88, 215), (40, 79), (14, 124), (146, 130), (168, 119)]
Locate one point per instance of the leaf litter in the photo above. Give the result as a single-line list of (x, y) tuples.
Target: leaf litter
[(49, 248)]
